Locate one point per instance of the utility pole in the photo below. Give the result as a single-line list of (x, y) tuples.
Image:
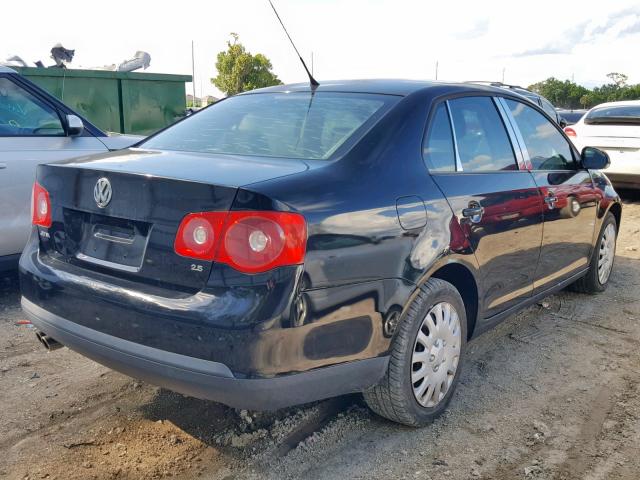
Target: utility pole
[(436, 69), (503, 69), (193, 75)]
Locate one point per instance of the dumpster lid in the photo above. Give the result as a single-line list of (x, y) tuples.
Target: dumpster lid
[(80, 73)]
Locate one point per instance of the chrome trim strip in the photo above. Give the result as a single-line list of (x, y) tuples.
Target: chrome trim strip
[(517, 148), (105, 263), (455, 139), (512, 120), (113, 238)]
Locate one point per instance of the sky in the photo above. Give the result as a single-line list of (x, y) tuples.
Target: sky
[(479, 40)]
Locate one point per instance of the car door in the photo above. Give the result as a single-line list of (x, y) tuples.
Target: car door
[(495, 201), (31, 132), (568, 194)]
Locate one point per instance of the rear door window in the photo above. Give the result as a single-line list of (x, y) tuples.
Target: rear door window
[(23, 114), (547, 148), (437, 150), (481, 137)]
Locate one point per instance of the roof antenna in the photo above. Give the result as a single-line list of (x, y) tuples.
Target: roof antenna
[(314, 83)]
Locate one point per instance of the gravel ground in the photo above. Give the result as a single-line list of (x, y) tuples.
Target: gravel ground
[(552, 393)]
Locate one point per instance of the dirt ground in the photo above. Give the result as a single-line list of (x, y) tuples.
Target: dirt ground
[(552, 393)]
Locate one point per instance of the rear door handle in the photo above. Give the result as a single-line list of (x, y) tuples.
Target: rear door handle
[(3, 165), (551, 201), (473, 212)]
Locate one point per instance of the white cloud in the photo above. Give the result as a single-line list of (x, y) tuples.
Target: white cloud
[(617, 26)]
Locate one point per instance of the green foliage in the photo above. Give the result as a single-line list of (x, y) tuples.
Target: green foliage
[(239, 70), (567, 94), (562, 94)]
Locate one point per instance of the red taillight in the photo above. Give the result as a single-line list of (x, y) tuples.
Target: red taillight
[(570, 132), (259, 241), (198, 235), (41, 208), (250, 242)]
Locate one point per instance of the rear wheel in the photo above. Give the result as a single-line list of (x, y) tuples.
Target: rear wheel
[(426, 354), (597, 278)]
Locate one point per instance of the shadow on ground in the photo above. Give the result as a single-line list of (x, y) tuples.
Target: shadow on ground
[(214, 424)]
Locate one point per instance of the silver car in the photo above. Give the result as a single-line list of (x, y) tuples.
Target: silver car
[(36, 128)]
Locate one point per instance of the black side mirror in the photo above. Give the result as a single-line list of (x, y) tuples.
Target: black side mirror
[(75, 126), (594, 159), (562, 122)]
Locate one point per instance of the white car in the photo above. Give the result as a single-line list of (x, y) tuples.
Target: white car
[(36, 128), (615, 128)]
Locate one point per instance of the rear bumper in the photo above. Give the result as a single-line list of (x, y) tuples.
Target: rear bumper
[(203, 378), (242, 321)]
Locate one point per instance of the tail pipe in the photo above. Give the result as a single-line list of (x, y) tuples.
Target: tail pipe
[(48, 342)]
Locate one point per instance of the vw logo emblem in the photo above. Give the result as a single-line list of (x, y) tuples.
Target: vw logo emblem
[(102, 192)]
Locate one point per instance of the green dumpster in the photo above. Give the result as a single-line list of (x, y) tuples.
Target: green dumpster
[(125, 102)]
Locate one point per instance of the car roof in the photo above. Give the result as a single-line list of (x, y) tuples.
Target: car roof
[(4, 69), (379, 86)]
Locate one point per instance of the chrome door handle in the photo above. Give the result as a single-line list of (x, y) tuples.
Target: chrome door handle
[(551, 201), (3, 165), (474, 212)]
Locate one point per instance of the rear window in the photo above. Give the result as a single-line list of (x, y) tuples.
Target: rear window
[(288, 125), (622, 115), (482, 140), (438, 149)]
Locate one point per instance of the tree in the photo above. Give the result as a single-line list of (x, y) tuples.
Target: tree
[(562, 94), (619, 79), (567, 94), (586, 100), (239, 70)]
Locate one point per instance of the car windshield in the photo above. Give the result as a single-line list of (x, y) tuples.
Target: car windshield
[(621, 115), (287, 125)]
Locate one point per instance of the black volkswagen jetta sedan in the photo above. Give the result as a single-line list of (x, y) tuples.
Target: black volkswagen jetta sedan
[(292, 244)]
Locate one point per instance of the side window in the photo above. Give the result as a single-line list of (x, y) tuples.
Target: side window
[(22, 114), (548, 150), (437, 149), (482, 140)]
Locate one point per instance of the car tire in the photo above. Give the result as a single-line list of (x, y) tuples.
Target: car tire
[(396, 396), (593, 281)]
